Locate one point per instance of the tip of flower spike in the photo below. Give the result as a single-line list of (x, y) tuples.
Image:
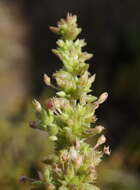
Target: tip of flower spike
[(67, 28)]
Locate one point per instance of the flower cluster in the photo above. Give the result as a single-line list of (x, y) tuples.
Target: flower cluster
[(69, 117)]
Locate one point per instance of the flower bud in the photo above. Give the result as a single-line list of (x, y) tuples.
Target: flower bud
[(99, 128), (61, 93), (37, 105), (49, 104), (92, 78), (107, 151), (33, 124), (95, 105), (47, 80), (77, 144), (101, 140), (53, 138), (57, 102), (79, 161), (95, 131), (102, 97), (73, 154)]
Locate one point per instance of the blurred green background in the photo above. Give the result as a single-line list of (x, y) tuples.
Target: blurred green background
[(112, 31)]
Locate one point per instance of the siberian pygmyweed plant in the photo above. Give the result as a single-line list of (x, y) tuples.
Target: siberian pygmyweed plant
[(69, 118)]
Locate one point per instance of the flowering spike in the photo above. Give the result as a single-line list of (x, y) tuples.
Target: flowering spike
[(69, 117)]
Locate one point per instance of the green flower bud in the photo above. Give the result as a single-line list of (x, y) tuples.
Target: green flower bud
[(61, 93), (53, 138), (53, 130), (47, 175)]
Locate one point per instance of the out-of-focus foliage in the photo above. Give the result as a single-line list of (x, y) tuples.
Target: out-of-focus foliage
[(14, 59), (20, 148), (121, 170), (116, 175), (114, 178)]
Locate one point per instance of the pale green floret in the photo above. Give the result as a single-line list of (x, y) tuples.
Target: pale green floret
[(71, 55), (67, 28)]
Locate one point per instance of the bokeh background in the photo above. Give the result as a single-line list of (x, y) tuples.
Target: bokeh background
[(112, 31)]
